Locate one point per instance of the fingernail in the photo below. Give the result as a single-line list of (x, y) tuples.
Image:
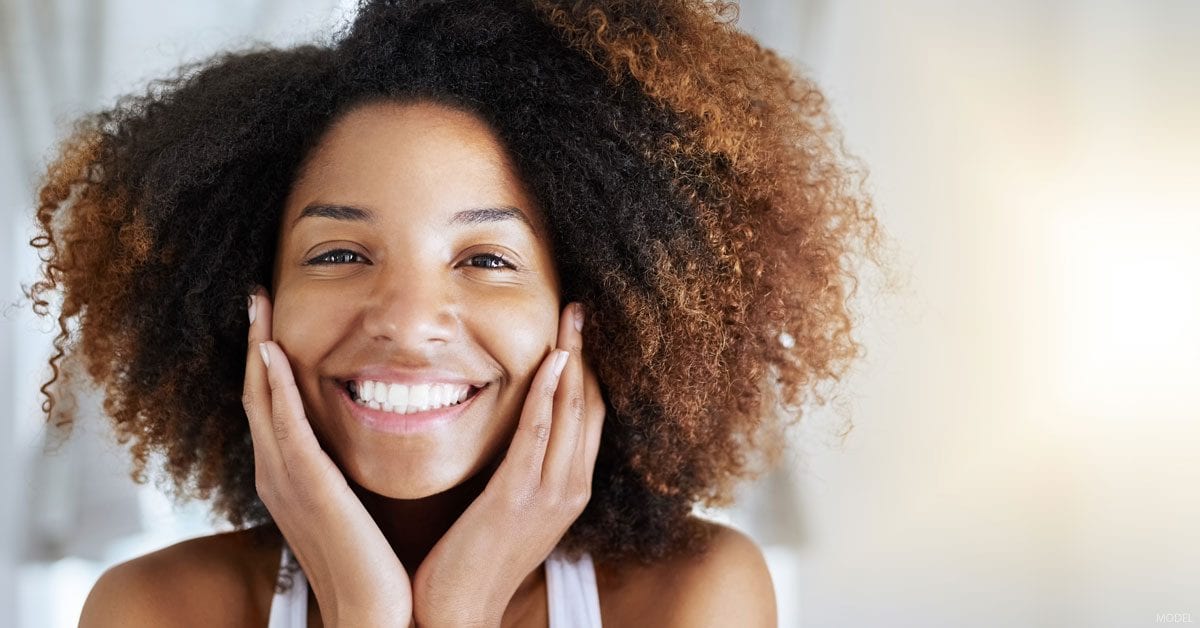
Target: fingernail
[(559, 362), (262, 349), (578, 317), (250, 308)]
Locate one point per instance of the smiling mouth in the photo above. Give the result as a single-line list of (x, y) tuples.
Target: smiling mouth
[(422, 399)]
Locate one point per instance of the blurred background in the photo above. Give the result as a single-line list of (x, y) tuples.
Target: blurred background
[(1026, 421)]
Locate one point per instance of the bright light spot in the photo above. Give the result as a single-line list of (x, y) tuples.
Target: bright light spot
[(1125, 311)]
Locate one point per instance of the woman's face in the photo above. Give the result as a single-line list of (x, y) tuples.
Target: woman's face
[(401, 260)]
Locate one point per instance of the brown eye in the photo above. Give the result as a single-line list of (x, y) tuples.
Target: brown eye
[(337, 256), (490, 261)]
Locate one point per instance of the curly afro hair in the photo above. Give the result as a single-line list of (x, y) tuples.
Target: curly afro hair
[(699, 202)]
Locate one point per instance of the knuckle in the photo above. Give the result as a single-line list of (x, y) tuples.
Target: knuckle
[(280, 427), (541, 432), (550, 504), (577, 406)]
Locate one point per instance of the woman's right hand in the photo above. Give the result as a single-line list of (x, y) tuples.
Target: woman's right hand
[(353, 571)]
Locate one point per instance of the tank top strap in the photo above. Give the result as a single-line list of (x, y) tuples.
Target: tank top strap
[(290, 608), (572, 597)]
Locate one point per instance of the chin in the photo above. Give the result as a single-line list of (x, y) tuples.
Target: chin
[(413, 478), (398, 476)]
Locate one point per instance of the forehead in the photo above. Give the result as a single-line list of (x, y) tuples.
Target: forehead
[(420, 157)]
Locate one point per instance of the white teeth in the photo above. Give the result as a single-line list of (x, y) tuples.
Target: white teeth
[(418, 397), (402, 399), (398, 396)]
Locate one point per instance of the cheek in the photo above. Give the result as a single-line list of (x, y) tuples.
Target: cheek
[(304, 328), (518, 334)]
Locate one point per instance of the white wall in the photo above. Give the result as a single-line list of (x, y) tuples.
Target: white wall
[(1028, 420)]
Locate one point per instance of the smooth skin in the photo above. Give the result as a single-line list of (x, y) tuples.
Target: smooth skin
[(449, 527)]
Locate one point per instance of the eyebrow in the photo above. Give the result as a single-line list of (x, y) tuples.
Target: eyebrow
[(472, 216)]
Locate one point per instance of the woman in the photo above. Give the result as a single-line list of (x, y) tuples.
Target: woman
[(527, 281)]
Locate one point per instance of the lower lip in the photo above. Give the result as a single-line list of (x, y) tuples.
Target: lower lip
[(413, 423)]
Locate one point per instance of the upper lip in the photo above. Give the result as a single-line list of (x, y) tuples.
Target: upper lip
[(382, 373)]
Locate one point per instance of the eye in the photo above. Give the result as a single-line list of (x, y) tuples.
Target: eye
[(343, 256), (490, 261)]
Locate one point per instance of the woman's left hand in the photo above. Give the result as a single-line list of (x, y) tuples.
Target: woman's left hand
[(538, 490)]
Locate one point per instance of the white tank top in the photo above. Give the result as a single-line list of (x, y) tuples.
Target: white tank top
[(571, 595)]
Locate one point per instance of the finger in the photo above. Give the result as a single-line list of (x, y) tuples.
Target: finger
[(289, 425), (592, 403), (589, 444), (256, 392), (568, 404), (528, 448), (597, 410), (590, 400)]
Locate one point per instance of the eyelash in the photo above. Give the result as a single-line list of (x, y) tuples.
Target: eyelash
[(317, 261), (504, 263)]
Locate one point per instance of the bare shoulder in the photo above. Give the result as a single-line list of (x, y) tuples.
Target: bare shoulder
[(726, 585), (204, 581)]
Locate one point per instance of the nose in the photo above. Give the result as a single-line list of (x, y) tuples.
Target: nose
[(410, 309)]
